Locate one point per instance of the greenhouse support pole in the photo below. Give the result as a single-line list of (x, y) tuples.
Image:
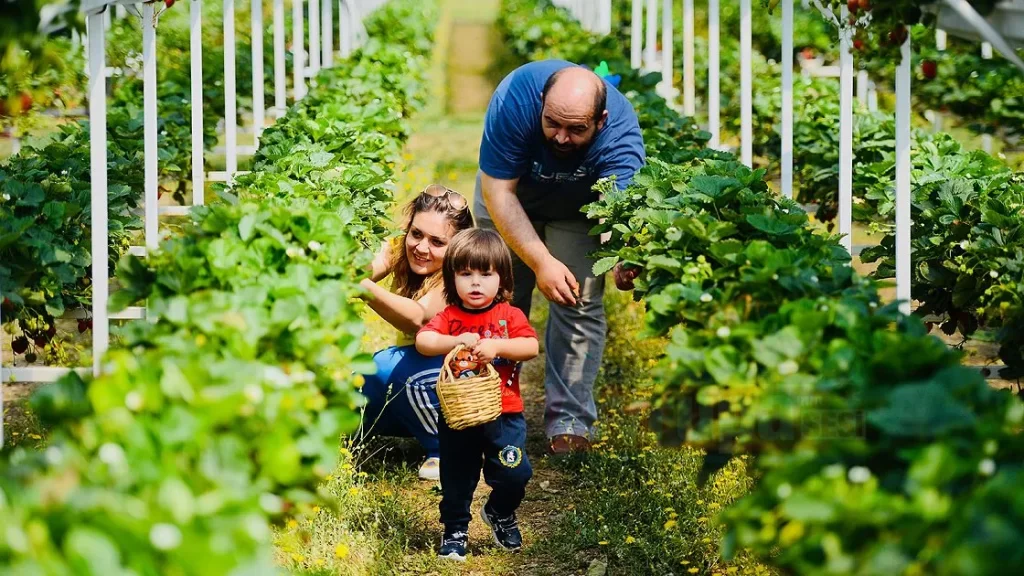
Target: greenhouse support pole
[(903, 116), (344, 28), (746, 86), (196, 57), (327, 32), (689, 80), (714, 69), (636, 34), (298, 52), (845, 135), (862, 87), (606, 17), (667, 61), (259, 106), (787, 99), (651, 49), (314, 37), (986, 138), (151, 200), (230, 98), (872, 97), (98, 180), (280, 81), (940, 39)]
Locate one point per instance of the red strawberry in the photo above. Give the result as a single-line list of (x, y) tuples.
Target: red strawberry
[(898, 35), (7, 305), (852, 6), (19, 345), (930, 69), (30, 357), (858, 44), (865, 5), (26, 101), (84, 324), (168, 3)]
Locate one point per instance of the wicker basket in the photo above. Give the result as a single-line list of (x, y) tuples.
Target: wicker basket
[(469, 401)]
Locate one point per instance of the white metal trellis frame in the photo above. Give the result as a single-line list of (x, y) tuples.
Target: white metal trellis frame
[(845, 135), (149, 116), (903, 167), (280, 74), (327, 32), (689, 80), (667, 63), (746, 86), (196, 59), (345, 29), (230, 98), (714, 71), (787, 99), (314, 38)]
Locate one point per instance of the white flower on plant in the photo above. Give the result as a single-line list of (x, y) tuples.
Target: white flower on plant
[(858, 474), (253, 393), (294, 252), (993, 274), (705, 298), (165, 536), (788, 367), (775, 276), (314, 246), (133, 401), (723, 332), (814, 279), (7, 197), (271, 503), (834, 471), (112, 454), (783, 491), (873, 304), (987, 467), (964, 244)]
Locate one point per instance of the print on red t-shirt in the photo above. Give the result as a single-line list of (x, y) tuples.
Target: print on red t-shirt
[(499, 321)]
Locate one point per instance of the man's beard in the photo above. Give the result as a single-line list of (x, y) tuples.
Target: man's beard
[(577, 153)]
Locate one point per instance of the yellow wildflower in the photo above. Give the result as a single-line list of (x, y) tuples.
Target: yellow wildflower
[(603, 543), (341, 551), (670, 524), (630, 539)]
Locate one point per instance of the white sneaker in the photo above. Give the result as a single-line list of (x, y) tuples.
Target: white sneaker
[(431, 469)]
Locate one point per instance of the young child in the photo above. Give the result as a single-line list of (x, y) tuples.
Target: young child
[(477, 272)]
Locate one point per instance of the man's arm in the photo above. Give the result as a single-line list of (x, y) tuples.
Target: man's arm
[(554, 279)]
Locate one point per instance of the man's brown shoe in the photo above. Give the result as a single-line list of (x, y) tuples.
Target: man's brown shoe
[(567, 443)]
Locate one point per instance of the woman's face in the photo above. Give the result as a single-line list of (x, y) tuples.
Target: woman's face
[(427, 241)]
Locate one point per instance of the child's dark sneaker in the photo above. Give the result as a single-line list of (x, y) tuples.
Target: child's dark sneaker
[(505, 530), (453, 545)]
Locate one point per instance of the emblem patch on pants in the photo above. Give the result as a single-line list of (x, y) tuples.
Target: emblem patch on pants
[(511, 456)]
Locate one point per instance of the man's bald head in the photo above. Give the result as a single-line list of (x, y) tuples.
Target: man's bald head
[(576, 90), (573, 111)]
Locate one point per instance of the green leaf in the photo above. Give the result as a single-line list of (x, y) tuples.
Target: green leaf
[(604, 265), (807, 508), (769, 225), (923, 410)]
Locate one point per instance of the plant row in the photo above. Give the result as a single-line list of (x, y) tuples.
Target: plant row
[(223, 412), (879, 453)]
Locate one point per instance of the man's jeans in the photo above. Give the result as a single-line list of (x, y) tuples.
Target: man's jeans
[(574, 342)]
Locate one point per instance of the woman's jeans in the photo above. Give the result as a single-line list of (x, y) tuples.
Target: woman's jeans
[(402, 397)]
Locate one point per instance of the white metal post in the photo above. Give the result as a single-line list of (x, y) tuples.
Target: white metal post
[(689, 81), (787, 99), (606, 17), (345, 29), (327, 32), (862, 87), (314, 37), (636, 33), (196, 57), (903, 166), (280, 102), (714, 64), (845, 135), (986, 50), (298, 52), (259, 106), (746, 86), (651, 50), (230, 102), (872, 97), (98, 186), (986, 139), (667, 61), (149, 123), (940, 39)]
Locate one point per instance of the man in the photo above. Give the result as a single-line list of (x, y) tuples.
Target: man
[(552, 130)]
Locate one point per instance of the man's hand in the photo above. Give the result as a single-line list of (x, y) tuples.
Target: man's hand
[(468, 339), (556, 282), (624, 277), (486, 350)]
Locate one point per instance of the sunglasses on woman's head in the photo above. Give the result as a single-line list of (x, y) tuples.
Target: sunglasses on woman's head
[(455, 200)]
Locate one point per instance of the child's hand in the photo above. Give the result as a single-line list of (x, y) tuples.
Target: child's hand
[(468, 339), (486, 350)]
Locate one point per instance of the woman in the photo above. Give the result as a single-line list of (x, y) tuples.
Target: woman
[(402, 396)]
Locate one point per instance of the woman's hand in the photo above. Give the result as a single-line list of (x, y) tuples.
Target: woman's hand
[(468, 339), (486, 350)]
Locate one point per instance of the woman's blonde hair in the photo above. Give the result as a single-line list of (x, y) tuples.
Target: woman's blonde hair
[(434, 198)]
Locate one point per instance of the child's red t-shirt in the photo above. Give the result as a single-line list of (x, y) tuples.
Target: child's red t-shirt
[(500, 321)]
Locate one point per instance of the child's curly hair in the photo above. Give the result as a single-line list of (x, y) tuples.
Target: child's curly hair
[(482, 250)]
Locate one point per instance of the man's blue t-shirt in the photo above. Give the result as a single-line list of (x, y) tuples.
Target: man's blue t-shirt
[(513, 146)]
